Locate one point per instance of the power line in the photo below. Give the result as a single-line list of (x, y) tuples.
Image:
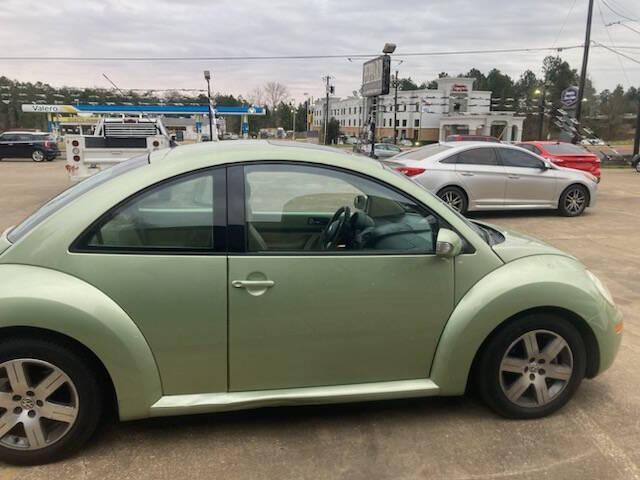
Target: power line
[(621, 8), (630, 28), (635, 60), (617, 13), (606, 28), (282, 57), (564, 24)]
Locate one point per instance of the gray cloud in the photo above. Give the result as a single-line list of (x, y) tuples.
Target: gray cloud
[(277, 27)]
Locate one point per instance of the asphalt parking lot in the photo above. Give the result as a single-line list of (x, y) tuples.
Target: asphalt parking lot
[(596, 436)]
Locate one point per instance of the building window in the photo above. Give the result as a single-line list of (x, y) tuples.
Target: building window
[(404, 122), (397, 123), (416, 123)]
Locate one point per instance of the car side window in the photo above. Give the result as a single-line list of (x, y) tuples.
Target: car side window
[(177, 215), (478, 156), (516, 158), (296, 208)]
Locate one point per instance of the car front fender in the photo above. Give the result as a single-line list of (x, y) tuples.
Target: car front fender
[(51, 300), (539, 281)]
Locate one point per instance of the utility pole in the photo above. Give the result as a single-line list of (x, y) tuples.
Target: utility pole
[(585, 61), (207, 77), (396, 83), (293, 129), (326, 110), (636, 142)]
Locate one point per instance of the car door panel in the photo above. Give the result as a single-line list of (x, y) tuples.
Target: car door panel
[(485, 184), (527, 186), (332, 320), (367, 309)]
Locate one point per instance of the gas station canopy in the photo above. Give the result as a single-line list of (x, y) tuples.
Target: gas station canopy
[(143, 109)]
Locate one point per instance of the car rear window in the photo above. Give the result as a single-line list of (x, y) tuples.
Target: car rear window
[(564, 149), (423, 152), (73, 193)]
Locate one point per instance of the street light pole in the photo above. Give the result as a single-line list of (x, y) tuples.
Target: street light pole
[(207, 77)]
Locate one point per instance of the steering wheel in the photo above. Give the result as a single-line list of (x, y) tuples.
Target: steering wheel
[(335, 228)]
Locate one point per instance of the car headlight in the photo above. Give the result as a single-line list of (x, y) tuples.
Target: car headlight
[(604, 291)]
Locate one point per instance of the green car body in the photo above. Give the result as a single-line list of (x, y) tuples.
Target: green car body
[(175, 337)]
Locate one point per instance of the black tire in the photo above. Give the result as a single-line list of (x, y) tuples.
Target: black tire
[(565, 205), (89, 399), (489, 377), (38, 155), (449, 195)]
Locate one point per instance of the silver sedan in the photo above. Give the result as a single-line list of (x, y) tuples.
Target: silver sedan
[(489, 176)]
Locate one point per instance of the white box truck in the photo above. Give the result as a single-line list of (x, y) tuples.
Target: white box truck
[(114, 140)]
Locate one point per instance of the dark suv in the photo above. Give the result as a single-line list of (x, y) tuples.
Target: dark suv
[(38, 146)]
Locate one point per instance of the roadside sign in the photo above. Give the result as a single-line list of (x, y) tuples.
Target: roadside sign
[(376, 76), (569, 97)]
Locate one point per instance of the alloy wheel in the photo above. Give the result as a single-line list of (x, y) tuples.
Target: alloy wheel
[(39, 404), (536, 368), (37, 156), (453, 199), (575, 200)]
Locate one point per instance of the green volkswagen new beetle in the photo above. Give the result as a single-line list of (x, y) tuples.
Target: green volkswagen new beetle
[(226, 276)]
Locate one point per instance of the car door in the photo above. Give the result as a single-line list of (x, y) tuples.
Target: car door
[(483, 178), (369, 309), (8, 145), (161, 256), (529, 182)]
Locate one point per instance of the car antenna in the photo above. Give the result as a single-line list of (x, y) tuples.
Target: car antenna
[(140, 111)]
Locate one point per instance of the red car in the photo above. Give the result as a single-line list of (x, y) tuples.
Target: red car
[(566, 155)]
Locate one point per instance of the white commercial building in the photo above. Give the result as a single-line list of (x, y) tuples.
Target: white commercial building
[(427, 115)]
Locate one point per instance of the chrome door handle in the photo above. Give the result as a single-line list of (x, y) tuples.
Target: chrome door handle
[(515, 177), (253, 283), (466, 174)]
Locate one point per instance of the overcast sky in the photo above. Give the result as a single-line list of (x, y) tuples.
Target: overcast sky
[(277, 27)]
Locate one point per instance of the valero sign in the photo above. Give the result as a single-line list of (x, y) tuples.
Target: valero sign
[(39, 108)]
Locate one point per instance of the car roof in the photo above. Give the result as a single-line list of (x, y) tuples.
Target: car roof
[(207, 154)]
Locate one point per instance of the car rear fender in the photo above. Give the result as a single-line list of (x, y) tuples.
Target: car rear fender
[(538, 281), (48, 299)]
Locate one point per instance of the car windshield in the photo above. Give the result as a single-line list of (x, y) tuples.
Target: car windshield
[(424, 152), (564, 149), (72, 193)]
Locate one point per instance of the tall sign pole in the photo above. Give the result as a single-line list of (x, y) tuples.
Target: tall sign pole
[(585, 61), (376, 79), (396, 84), (207, 77)]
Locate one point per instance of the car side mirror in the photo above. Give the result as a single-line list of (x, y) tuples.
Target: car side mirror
[(546, 165), (448, 243)]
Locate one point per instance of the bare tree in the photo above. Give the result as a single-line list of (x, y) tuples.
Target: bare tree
[(256, 96), (275, 93)]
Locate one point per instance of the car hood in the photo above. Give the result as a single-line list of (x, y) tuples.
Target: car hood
[(517, 245)]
